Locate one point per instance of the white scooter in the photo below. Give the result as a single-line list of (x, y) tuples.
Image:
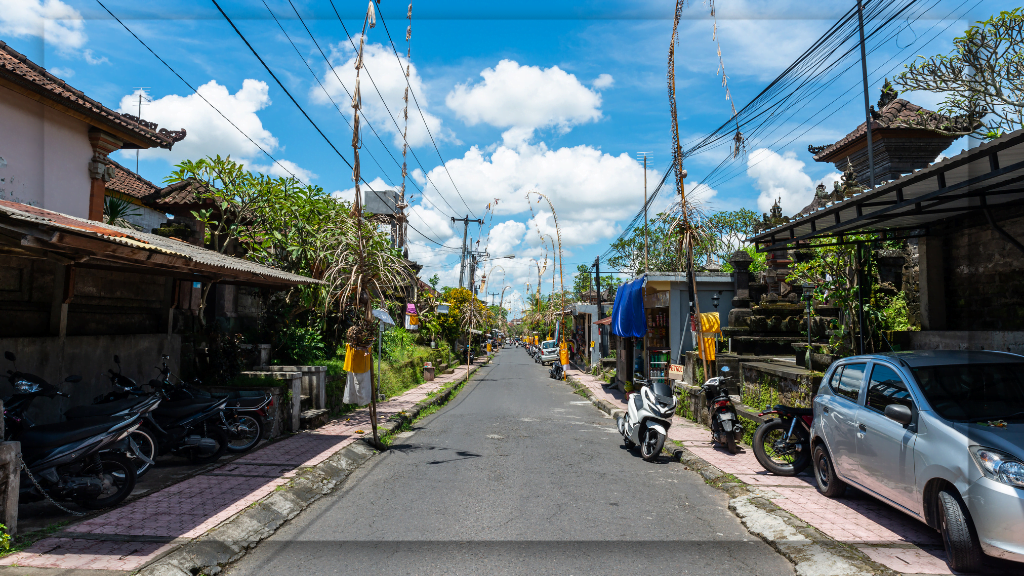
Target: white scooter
[(648, 418)]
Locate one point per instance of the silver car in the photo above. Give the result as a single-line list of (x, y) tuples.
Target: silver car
[(548, 352), (936, 434)]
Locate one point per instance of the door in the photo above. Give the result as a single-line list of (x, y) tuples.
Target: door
[(885, 449), (840, 417)]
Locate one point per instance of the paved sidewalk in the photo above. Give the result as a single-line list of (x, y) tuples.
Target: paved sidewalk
[(129, 537), (885, 535)]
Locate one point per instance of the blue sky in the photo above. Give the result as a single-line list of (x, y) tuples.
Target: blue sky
[(551, 96)]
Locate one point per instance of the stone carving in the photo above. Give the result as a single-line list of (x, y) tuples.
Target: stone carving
[(141, 122), (772, 219), (174, 135), (847, 186)]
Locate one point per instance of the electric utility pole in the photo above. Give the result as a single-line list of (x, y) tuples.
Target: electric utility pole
[(143, 99), (645, 156), (465, 231)]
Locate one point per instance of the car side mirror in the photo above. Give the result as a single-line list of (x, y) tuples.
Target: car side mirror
[(9, 355), (899, 413)]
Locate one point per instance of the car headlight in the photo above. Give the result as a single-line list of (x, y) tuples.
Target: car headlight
[(999, 466)]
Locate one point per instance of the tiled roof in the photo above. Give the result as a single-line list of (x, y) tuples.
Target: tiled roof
[(891, 116), (153, 251), (129, 183), (178, 194), (19, 70)]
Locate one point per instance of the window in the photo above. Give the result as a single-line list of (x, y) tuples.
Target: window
[(850, 381), (974, 392), (886, 387)]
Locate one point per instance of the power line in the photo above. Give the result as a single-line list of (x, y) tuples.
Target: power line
[(422, 116), (397, 127), (279, 83), (194, 91)]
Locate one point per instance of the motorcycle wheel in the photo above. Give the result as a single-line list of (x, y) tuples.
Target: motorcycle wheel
[(144, 439), (247, 434), (651, 444), (730, 444), (214, 433), (765, 438), (118, 474)]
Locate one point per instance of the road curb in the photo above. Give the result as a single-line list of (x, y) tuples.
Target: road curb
[(811, 551), (230, 540)]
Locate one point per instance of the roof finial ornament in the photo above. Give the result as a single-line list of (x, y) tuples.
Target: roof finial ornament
[(888, 95), (850, 186)]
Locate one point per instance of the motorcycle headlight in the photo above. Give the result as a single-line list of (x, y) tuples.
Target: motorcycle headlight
[(1000, 466), (26, 387)]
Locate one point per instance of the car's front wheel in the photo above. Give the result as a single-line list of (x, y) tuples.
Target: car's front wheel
[(963, 550), (825, 473)]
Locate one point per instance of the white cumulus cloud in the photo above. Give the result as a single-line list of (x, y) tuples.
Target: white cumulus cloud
[(208, 133), (527, 98), (58, 23), (604, 81), (383, 73), (782, 178)]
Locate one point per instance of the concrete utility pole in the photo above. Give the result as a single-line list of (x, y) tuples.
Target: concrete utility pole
[(603, 350), (465, 231), (867, 99)]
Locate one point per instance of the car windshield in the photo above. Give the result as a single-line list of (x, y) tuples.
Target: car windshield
[(973, 392), (549, 345)]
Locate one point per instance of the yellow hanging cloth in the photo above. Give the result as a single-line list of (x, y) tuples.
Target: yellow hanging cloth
[(357, 360), (711, 326)]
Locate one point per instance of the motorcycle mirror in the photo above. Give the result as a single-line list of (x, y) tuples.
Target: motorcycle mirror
[(117, 359), (725, 368), (9, 355), (74, 379)]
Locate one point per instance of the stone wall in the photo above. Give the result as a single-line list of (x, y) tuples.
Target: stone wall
[(984, 278)]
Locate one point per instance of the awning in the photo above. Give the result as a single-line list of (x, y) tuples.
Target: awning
[(981, 180), (628, 311), (607, 320), (31, 232)]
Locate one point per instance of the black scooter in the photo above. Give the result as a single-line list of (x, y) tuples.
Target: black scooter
[(782, 444), (127, 398), (82, 461), (725, 426)]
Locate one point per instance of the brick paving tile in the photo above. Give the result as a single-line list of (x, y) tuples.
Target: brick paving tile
[(912, 560), (191, 507)]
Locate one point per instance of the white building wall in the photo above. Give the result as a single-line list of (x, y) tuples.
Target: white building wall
[(47, 154), (147, 219)]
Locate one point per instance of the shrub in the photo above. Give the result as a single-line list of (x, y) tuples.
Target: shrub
[(302, 346)]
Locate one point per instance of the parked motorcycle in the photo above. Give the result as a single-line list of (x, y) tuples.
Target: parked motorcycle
[(556, 371), (127, 398), (648, 417), (187, 426), (782, 444), (725, 426), (246, 414), (81, 461)]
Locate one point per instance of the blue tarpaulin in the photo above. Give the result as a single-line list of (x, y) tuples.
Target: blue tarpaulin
[(628, 317)]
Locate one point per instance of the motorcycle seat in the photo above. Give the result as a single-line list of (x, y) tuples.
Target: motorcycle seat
[(41, 438), (181, 408), (795, 411), (106, 409)]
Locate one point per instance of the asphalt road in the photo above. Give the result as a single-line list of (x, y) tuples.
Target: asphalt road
[(517, 475)]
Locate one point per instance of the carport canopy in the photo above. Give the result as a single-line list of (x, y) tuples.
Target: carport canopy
[(983, 179)]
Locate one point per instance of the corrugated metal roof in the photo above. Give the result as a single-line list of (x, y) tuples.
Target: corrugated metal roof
[(209, 259)]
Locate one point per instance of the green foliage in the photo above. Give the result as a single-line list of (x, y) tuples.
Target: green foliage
[(5, 539), (433, 281), (396, 344), (583, 282), (980, 78), (117, 209), (723, 234), (302, 346), (759, 264)]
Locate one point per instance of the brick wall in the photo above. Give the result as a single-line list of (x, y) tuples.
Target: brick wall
[(984, 278)]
